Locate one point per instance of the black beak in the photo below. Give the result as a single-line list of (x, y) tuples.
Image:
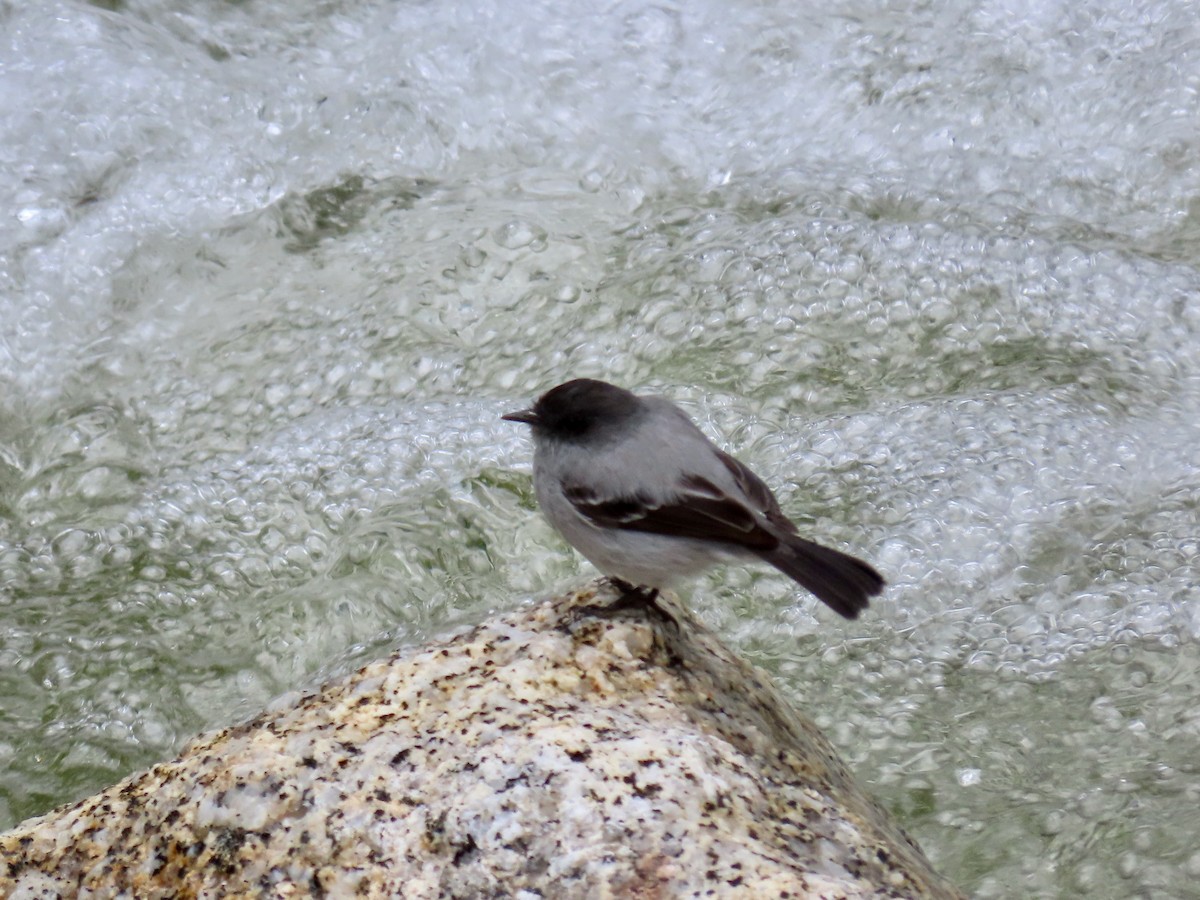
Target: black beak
[(525, 416)]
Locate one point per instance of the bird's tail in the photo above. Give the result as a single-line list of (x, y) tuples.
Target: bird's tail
[(838, 579)]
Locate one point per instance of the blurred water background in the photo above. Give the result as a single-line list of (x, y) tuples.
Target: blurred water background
[(270, 271)]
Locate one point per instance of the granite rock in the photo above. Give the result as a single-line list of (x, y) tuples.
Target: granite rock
[(587, 746)]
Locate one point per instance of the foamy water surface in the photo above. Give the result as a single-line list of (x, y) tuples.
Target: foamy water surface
[(270, 272)]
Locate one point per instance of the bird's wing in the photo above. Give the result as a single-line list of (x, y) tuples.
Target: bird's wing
[(697, 509), (757, 493)]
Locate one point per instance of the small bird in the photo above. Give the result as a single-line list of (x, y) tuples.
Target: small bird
[(632, 484)]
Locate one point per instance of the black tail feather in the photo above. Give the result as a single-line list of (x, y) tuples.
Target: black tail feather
[(838, 579)]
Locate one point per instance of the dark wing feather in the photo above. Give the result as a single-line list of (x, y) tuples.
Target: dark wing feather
[(701, 510), (758, 493)]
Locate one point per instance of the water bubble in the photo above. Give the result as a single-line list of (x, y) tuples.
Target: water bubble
[(1192, 866), (472, 257), (969, 777), (517, 234)]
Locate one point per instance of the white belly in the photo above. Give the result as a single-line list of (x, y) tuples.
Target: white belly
[(641, 558)]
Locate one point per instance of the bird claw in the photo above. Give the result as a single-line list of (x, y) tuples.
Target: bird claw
[(634, 596)]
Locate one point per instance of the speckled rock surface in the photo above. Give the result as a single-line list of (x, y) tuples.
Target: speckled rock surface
[(575, 748)]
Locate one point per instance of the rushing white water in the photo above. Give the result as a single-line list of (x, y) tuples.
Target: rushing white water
[(266, 283)]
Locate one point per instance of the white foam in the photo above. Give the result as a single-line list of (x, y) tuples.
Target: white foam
[(266, 281)]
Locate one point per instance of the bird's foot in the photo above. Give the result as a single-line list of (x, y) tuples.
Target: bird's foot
[(636, 596)]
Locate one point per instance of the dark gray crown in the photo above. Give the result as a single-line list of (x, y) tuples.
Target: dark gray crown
[(581, 408)]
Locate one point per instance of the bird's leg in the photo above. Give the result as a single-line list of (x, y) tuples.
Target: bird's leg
[(625, 587), (634, 592), (634, 596)]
